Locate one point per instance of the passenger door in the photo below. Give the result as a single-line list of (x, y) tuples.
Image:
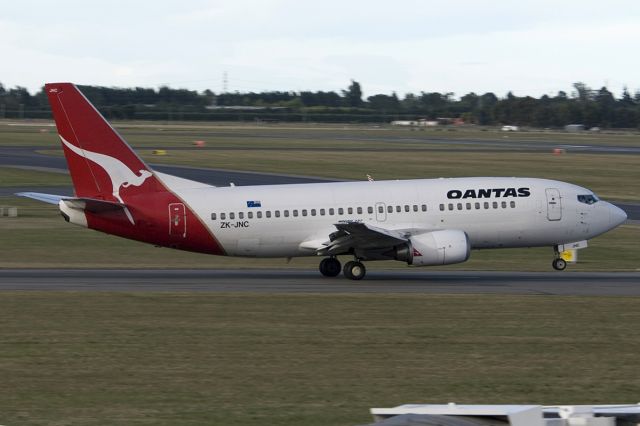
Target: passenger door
[(554, 204)]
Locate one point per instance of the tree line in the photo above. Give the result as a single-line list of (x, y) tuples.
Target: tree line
[(583, 105)]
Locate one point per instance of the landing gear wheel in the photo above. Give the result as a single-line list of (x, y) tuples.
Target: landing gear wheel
[(559, 264), (354, 270), (330, 267)]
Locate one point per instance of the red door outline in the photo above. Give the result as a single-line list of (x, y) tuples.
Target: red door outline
[(177, 220)]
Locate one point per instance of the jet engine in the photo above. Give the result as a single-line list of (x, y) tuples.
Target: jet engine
[(435, 248)]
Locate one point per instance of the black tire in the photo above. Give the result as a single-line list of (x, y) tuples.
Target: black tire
[(559, 264), (330, 267), (354, 270)]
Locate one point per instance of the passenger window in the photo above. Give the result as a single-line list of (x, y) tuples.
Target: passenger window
[(359, 210), (331, 212), (232, 215), (441, 207), (390, 209), (268, 213), (486, 205), (241, 215), (477, 206), (321, 212), (286, 213), (259, 214), (424, 207), (277, 212), (223, 216), (415, 207), (504, 204), (495, 204), (304, 212), (295, 213), (450, 206), (213, 216), (380, 209), (459, 206), (250, 215), (340, 210), (313, 212), (398, 209), (468, 206), (513, 204), (370, 210), (350, 210)]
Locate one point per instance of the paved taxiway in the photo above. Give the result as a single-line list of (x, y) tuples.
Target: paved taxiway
[(301, 281)]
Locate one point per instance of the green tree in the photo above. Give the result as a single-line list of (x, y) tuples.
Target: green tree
[(353, 94)]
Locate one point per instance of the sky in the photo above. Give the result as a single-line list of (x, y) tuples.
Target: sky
[(403, 46)]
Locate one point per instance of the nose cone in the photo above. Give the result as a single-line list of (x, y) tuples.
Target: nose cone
[(617, 216)]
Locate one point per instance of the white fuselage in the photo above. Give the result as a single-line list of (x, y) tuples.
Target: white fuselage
[(294, 220)]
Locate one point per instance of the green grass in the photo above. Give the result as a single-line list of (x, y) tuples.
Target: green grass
[(13, 176), (41, 239), (613, 177), (244, 360)]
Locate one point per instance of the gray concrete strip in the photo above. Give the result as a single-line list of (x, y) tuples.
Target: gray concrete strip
[(304, 281)]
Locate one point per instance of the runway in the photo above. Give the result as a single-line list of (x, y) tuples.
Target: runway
[(305, 281)]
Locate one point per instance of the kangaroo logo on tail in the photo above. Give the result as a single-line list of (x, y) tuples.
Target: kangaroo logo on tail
[(119, 173)]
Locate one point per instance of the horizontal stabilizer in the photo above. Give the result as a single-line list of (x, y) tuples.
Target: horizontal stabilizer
[(45, 198), (86, 204)]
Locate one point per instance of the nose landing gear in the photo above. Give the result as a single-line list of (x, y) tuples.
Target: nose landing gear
[(559, 264)]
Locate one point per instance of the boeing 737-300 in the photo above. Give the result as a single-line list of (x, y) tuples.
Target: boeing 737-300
[(421, 222)]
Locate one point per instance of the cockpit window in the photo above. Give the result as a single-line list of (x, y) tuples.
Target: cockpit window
[(588, 199)]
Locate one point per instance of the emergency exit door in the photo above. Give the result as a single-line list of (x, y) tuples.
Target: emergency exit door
[(177, 220), (554, 204)]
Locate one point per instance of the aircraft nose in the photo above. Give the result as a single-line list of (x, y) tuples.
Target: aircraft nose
[(617, 216)]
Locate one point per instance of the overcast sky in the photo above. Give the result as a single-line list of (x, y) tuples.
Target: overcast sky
[(529, 47)]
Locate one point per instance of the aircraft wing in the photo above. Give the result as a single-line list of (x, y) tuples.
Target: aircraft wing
[(361, 236)]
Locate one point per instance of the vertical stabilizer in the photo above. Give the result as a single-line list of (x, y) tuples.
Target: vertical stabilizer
[(100, 161)]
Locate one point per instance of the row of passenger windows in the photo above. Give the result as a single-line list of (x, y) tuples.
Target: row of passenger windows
[(470, 206), (359, 210), (318, 212)]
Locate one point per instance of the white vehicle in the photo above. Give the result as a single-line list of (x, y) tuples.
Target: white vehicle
[(510, 128), (420, 222)]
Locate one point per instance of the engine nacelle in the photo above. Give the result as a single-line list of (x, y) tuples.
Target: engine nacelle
[(439, 248)]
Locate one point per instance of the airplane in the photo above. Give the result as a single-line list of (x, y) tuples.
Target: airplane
[(422, 222)]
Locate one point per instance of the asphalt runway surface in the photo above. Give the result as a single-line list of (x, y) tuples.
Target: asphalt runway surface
[(302, 281)]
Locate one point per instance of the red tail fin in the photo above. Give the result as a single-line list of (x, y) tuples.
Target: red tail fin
[(100, 161)]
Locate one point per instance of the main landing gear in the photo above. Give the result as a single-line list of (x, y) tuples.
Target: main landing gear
[(330, 267), (354, 270)]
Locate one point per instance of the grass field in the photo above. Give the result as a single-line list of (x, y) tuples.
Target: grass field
[(244, 360), (39, 238)]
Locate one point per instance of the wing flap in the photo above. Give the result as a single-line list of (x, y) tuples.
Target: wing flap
[(361, 236)]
